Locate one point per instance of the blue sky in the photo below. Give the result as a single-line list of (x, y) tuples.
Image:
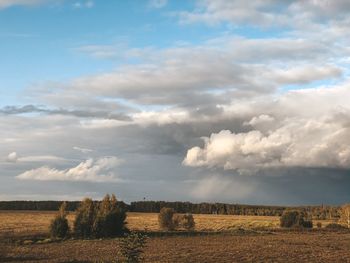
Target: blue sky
[(43, 44), (175, 100)]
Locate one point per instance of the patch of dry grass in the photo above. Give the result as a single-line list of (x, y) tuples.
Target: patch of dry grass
[(29, 223)]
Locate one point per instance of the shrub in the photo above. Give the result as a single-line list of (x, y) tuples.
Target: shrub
[(131, 248), (187, 222), (166, 220), (319, 225), (307, 224), (335, 226), (59, 227), (85, 217), (110, 219), (294, 218), (104, 220)]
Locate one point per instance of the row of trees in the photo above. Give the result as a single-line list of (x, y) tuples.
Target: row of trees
[(47, 205), (316, 212), (300, 218)]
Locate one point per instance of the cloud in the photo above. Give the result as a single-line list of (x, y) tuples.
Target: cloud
[(100, 170), (12, 157), (178, 75), (266, 13), (300, 134), (84, 4), (223, 106), (158, 3), (41, 158), (260, 120), (9, 3), (82, 113), (83, 150)]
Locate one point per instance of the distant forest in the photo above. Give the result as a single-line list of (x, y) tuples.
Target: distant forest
[(315, 212)]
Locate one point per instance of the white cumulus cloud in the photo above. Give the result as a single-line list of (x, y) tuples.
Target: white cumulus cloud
[(100, 170), (12, 157)]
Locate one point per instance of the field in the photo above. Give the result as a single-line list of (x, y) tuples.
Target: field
[(29, 223), (231, 245)]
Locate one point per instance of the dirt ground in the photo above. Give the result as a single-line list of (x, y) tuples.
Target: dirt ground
[(280, 246)]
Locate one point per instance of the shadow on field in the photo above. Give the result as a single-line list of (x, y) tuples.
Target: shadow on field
[(18, 259)]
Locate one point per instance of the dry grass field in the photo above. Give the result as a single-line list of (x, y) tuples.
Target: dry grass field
[(234, 246), (28, 223)]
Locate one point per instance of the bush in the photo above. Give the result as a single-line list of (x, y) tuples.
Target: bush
[(319, 225), (104, 220), (131, 248), (294, 219), (335, 226), (84, 220), (307, 224), (110, 219), (166, 219), (187, 222), (59, 227)]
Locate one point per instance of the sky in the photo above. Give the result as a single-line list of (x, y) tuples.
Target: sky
[(203, 101)]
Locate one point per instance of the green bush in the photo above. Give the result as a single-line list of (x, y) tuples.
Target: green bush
[(84, 220), (294, 218), (59, 227), (166, 219), (131, 248), (110, 219), (103, 220)]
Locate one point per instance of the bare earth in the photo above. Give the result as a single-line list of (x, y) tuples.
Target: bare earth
[(273, 246)]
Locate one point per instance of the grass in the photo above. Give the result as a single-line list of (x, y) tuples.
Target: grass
[(29, 223), (218, 244)]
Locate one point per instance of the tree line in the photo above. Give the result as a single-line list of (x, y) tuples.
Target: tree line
[(315, 212)]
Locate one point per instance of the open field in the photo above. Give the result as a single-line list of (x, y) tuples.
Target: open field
[(231, 245), (28, 223), (314, 246)]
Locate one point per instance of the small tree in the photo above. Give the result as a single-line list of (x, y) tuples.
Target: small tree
[(187, 222), (294, 218), (110, 219), (59, 227), (345, 215), (85, 217), (131, 248), (166, 220)]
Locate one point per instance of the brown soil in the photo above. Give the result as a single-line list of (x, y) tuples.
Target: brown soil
[(280, 246)]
